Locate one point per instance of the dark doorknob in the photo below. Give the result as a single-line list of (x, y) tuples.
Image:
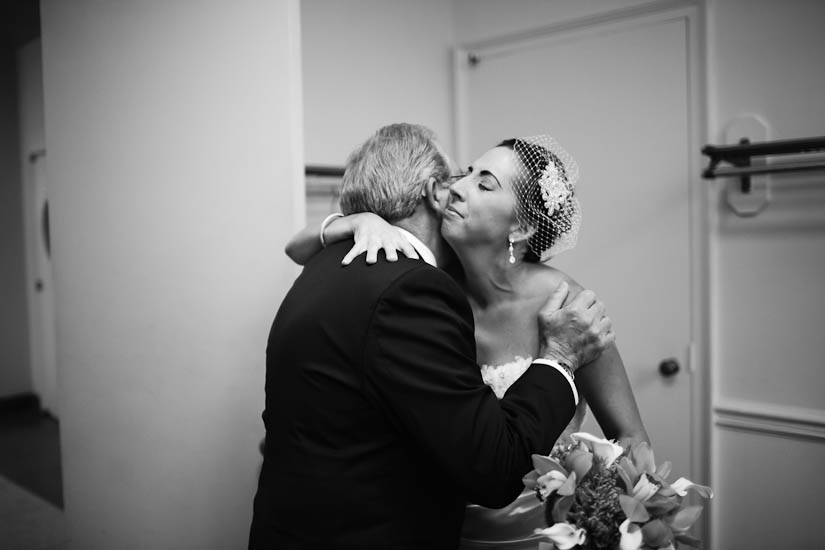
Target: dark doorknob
[(668, 367)]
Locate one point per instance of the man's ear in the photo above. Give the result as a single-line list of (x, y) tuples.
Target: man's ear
[(436, 194)]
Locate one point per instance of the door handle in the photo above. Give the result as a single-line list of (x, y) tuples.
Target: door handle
[(669, 367)]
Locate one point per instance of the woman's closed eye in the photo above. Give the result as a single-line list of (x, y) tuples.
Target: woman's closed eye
[(487, 181)]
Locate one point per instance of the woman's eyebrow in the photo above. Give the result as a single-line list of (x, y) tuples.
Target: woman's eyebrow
[(489, 173)]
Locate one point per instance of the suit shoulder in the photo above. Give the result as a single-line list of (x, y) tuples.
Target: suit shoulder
[(416, 273)]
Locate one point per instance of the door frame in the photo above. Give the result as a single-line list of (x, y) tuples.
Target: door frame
[(691, 12), (42, 345)]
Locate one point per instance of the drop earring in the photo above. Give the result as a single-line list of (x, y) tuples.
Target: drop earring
[(512, 258)]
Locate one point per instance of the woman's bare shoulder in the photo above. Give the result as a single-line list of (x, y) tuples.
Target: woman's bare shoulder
[(545, 279)]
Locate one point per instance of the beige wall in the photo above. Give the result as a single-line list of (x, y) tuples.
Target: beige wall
[(768, 278), (15, 377), (175, 155), (367, 63)]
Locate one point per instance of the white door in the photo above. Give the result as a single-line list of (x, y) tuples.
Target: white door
[(40, 281), (616, 96)]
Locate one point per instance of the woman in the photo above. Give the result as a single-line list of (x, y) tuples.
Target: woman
[(514, 209)]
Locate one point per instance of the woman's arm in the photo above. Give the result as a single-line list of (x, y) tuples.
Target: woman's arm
[(371, 234), (606, 388)]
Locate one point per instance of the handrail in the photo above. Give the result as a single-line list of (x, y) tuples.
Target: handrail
[(324, 171), (741, 155)]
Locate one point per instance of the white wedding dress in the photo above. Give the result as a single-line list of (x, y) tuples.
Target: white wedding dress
[(511, 527)]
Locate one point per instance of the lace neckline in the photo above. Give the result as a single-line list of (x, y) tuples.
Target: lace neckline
[(501, 377)]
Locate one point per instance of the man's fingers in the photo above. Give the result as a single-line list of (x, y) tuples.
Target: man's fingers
[(603, 325), (597, 310), (608, 338), (584, 300), (390, 253), (557, 299)]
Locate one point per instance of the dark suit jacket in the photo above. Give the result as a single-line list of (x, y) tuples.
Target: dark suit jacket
[(378, 425)]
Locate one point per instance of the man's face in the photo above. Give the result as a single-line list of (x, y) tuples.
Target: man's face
[(442, 190)]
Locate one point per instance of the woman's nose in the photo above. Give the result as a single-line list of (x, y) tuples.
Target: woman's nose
[(457, 189)]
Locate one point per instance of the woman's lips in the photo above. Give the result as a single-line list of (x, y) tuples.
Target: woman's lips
[(453, 211)]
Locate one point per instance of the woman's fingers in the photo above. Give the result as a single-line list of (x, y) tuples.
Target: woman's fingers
[(374, 244), (408, 250), (353, 253), (391, 250), (390, 253)]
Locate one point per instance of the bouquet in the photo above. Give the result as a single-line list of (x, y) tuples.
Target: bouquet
[(598, 495)]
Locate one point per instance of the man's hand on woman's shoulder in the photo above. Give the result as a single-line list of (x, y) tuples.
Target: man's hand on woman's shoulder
[(575, 333)]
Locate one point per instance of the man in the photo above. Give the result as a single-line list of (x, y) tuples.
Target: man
[(379, 427)]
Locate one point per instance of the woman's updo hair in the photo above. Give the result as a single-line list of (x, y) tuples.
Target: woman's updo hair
[(545, 199)]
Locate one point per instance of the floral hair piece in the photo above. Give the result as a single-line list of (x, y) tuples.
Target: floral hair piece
[(545, 195), (554, 189)]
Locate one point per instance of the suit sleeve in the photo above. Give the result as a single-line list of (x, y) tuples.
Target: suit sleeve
[(420, 368)]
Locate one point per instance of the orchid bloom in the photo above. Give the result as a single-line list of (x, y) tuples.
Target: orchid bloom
[(564, 535), (644, 488), (631, 536), (682, 485), (605, 449), (550, 482)]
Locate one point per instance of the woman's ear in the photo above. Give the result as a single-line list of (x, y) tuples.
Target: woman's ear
[(520, 234)]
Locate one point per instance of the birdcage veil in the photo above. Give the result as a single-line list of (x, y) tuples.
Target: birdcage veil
[(545, 195)]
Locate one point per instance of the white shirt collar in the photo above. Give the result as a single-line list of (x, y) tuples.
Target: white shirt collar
[(422, 249)]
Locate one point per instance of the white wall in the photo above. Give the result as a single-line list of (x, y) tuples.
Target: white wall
[(176, 161), (15, 377), (765, 58), (766, 273), (483, 20), (367, 63)]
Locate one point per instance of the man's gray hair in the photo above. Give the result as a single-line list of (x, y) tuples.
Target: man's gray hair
[(388, 173)]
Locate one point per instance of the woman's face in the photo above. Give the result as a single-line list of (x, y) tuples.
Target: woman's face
[(481, 208)]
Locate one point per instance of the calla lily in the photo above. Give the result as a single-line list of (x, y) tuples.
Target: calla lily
[(605, 449), (631, 536), (644, 488), (682, 485), (564, 535)]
